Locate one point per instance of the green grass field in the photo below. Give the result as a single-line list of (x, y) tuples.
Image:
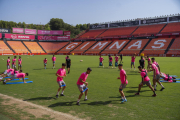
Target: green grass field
[(104, 97)]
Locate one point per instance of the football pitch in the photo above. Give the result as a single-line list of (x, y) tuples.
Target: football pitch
[(103, 95)]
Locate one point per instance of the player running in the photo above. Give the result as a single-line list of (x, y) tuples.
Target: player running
[(110, 61), (156, 63), (101, 61), (14, 62), (124, 82), (116, 61), (45, 63), (82, 85), (145, 80), (54, 61), (8, 63), (142, 62), (133, 61), (19, 63), (61, 73), (68, 63), (156, 76)]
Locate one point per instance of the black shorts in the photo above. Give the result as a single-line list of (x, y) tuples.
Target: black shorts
[(142, 66), (68, 66)]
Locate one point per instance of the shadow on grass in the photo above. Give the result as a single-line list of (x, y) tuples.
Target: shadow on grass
[(63, 104), (137, 87), (40, 98), (135, 91), (97, 103), (38, 69)]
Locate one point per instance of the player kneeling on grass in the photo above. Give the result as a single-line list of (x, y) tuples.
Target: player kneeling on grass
[(61, 73), (45, 63), (101, 61), (82, 84), (16, 75), (124, 82), (168, 78), (145, 80)]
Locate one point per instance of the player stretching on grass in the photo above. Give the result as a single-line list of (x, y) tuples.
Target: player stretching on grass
[(133, 61), (54, 61), (16, 75), (124, 82), (61, 73), (156, 76), (14, 62), (68, 63), (145, 80), (110, 61), (45, 63), (156, 63), (8, 63), (19, 63), (116, 61), (101, 61), (168, 78), (82, 85)]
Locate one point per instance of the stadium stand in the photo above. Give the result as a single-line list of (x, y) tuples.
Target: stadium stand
[(175, 47), (118, 31), (157, 46), (69, 47), (135, 46), (52, 47), (115, 46), (17, 46), (171, 27), (149, 29), (98, 47), (4, 48), (34, 47), (84, 46), (92, 33)]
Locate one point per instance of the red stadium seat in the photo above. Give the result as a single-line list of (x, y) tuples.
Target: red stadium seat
[(80, 49), (148, 29), (135, 46), (33, 47), (52, 47), (171, 27), (157, 46), (96, 49), (92, 33), (175, 47), (17, 46), (115, 46), (118, 31), (69, 47), (4, 48)]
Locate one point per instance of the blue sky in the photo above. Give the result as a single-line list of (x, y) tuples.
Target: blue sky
[(84, 11)]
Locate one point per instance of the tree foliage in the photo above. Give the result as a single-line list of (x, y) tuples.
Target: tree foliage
[(54, 24)]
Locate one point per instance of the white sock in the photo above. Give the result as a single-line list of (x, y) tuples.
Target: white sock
[(162, 86), (57, 93), (4, 80), (124, 97), (78, 100), (155, 86), (85, 97), (62, 92), (131, 68)]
